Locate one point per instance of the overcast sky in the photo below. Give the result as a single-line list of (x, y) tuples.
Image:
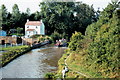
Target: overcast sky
[(34, 4)]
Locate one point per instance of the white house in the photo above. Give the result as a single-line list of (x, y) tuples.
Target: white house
[(34, 27), (2, 33)]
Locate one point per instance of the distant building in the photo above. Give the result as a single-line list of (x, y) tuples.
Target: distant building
[(2, 33), (34, 27)]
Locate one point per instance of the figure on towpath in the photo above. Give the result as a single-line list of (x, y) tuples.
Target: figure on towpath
[(65, 69)]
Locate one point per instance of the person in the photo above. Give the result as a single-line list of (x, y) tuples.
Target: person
[(63, 73), (66, 69)]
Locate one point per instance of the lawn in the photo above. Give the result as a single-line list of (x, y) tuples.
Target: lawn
[(13, 48), (12, 53)]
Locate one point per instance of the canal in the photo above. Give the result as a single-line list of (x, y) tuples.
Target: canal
[(34, 64)]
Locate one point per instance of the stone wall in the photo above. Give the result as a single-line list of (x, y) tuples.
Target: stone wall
[(29, 41), (17, 40), (8, 39)]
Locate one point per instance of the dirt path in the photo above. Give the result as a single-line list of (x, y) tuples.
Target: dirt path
[(74, 70)]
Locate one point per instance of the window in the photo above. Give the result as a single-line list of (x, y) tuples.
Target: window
[(27, 26), (36, 27)]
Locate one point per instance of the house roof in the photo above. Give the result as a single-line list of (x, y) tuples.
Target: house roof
[(30, 29), (34, 23)]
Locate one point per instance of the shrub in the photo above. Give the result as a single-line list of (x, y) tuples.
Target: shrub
[(35, 36), (56, 36), (49, 75), (76, 41)]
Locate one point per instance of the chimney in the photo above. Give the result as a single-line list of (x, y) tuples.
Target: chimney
[(27, 20)]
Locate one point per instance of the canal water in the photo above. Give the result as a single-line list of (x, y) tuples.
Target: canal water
[(34, 64)]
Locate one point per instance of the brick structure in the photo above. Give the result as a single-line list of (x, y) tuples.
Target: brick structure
[(17, 40), (10, 40), (29, 41)]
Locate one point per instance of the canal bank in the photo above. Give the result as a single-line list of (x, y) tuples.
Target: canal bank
[(34, 64), (12, 54)]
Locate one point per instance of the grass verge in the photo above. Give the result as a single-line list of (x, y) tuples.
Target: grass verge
[(11, 53)]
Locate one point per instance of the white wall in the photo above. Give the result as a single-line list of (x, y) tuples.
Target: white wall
[(40, 29), (33, 27)]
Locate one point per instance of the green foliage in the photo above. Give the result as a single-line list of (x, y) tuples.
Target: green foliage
[(76, 41), (56, 36), (57, 16), (49, 75), (19, 30), (13, 20), (15, 11), (3, 12), (100, 54), (104, 48), (28, 11), (41, 39), (44, 38), (35, 36), (4, 15), (12, 52), (60, 17), (13, 48)]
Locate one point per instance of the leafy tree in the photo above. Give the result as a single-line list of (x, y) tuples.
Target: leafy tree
[(4, 14), (15, 15), (104, 47), (0, 18), (28, 11), (76, 41), (60, 17), (56, 36), (37, 16), (15, 11), (19, 30), (101, 51)]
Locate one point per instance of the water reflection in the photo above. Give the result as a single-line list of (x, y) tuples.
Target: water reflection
[(34, 64)]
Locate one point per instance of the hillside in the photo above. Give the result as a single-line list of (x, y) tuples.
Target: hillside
[(95, 54)]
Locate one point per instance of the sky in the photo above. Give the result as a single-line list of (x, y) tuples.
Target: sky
[(34, 4)]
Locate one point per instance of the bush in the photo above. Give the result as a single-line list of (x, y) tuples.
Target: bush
[(49, 75), (76, 41), (13, 52), (56, 36), (43, 38), (35, 36)]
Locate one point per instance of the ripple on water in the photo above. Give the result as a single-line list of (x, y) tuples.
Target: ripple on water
[(33, 64)]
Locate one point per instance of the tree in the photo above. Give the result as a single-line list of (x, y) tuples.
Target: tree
[(85, 15), (15, 15), (28, 11), (0, 19), (59, 16), (37, 16), (100, 47), (76, 41), (104, 47), (19, 30), (4, 14), (15, 11)]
